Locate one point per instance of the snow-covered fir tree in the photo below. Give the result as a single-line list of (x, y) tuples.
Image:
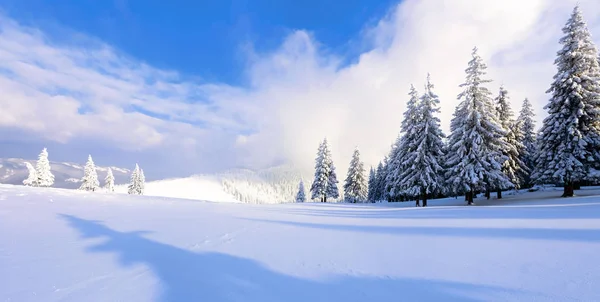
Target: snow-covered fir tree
[(109, 181), (45, 178), (513, 167), (89, 181), (422, 172), (32, 177), (391, 187), (569, 139), (355, 187), (476, 141), (371, 188), (325, 182), (134, 187), (405, 145), (526, 124), (301, 195), (379, 183)]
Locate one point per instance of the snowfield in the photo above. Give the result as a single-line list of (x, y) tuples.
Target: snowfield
[(61, 245)]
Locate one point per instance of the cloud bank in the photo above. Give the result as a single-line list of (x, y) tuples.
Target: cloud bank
[(80, 94)]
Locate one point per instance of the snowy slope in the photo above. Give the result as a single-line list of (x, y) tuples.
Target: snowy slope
[(66, 175), (63, 245)]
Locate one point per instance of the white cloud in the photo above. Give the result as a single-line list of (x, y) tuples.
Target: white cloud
[(298, 94)]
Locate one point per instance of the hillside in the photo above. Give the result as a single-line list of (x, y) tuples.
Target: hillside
[(66, 175), (114, 247)]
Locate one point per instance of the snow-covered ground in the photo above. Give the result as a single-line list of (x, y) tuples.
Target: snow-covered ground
[(62, 245)]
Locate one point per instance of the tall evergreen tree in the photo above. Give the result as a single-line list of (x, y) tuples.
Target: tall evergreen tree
[(423, 171), (89, 181), (45, 178), (325, 183), (301, 196), (569, 140), (32, 177), (475, 144), (379, 182), (142, 182), (404, 145), (526, 125), (134, 187), (391, 183), (109, 181), (514, 168), (355, 187), (371, 189)]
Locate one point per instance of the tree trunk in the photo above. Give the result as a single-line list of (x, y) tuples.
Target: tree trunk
[(424, 198), (487, 192), (325, 198), (499, 193), (469, 197), (417, 200), (568, 190)]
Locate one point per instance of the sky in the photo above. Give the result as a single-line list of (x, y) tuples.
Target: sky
[(186, 87)]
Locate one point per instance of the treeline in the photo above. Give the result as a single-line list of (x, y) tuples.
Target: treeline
[(41, 176), (487, 149)]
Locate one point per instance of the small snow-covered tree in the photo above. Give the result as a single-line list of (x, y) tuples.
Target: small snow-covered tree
[(526, 125), (371, 189), (379, 183), (513, 167), (134, 182), (89, 181), (421, 172), (355, 186), (325, 182), (391, 183), (569, 140), (476, 141), (32, 178), (109, 181), (301, 196), (45, 178)]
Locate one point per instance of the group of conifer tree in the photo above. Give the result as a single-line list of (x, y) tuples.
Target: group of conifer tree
[(41, 176), (487, 149)]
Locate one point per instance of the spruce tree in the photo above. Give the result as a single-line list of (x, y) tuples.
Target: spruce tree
[(513, 167), (134, 182), (392, 187), (422, 172), (142, 182), (476, 141), (109, 181), (301, 196), (526, 125), (405, 145), (371, 191), (379, 181), (32, 177), (45, 178), (569, 140), (355, 187), (89, 181), (325, 182)]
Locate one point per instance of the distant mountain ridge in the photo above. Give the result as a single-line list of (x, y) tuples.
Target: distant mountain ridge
[(66, 175)]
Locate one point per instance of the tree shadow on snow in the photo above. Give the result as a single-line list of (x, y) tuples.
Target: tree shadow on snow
[(578, 235), (189, 276)]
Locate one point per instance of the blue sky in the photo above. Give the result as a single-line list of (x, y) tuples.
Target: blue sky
[(205, 38), (185, 87)]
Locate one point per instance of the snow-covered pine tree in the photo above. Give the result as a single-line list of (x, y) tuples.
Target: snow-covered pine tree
[(371, 189), (381, 186), (379, 180), (32, 178), (569, 140), (134, 182), (355, 187), (392, 188), (142, 182), (422, 172), (45, 178), (109, 181), (301, 196), (325, 183), (513, 167), (475, 144), (89, 181), (404, 145), (526, 124)]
